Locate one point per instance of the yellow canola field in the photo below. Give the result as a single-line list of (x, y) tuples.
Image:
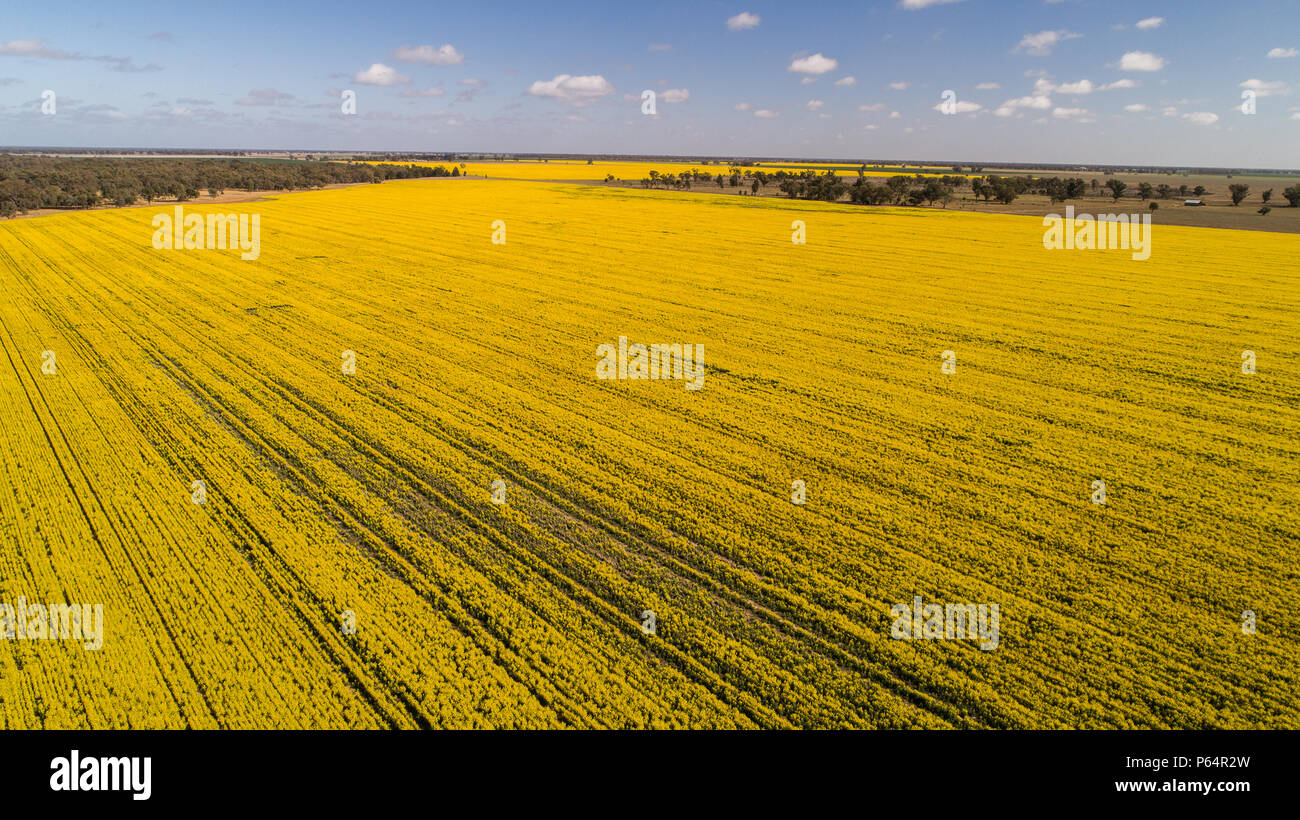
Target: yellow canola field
[(371, 492)]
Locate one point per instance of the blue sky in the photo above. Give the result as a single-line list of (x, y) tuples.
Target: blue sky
[(1034, 80)]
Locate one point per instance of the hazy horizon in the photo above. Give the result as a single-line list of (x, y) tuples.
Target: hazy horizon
[(562, 156)]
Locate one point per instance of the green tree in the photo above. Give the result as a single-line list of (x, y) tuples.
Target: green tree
[(934, 190), (1005, 190), (898, 186)]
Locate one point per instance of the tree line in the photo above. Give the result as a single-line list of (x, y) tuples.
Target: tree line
[(827, 186), (916, 189), (32, 182)]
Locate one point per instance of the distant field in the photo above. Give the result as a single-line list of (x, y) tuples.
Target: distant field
[(851, 169), (476, 362), (1218, 212), (631, 171)]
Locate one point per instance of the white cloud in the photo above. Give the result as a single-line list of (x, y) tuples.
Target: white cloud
[(847, 81), (743, 21), (814, 64), (1136, 107), (428, 92), (872, 107), (874, 127), (573, 90), (744, 106), (1282, 53), (1069, 113), (813, 105), (1296, 116), (920, 4), (380, 74), (264, 96), (1202, 118), (894, 115), (474, 82), (765, 114), (1081, 87), (808, 81), (1035, 101), (1141, 61), (1266, 88), (1169, 111), (674, 95), (960, 107), (1041, 44), (38, 49), (1124, 83), (442, 55), (987, 86), (99, 113), (32, 48), (898, 86), (1150, 23)]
